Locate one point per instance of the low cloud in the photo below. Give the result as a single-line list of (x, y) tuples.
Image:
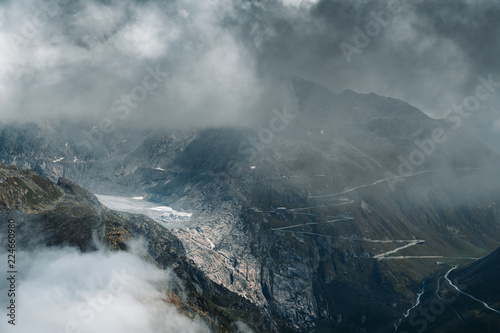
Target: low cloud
[(496, 126), (64, 290), (243, 328), (77, 58)]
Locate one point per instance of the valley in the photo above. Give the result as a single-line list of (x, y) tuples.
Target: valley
[(310, 231), (250, 166)]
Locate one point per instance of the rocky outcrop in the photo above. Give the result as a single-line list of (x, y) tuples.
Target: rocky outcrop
[(49, 214)]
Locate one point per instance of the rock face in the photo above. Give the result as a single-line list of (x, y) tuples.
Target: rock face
[(49, 214), (291, 218)]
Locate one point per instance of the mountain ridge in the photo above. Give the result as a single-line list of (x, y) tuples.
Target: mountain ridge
[(64, 214)]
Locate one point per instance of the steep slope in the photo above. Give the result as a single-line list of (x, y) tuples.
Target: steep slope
[(49, 214), (481, 278), (464, 299)]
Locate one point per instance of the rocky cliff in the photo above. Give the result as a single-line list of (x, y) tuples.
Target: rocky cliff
[(49, 214)]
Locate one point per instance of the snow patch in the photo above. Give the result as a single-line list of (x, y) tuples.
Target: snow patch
[(164, 215), (366, 207), (298, 3), (212, 245), (170, 211)]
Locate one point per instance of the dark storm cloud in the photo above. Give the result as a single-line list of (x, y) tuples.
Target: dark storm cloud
[(430, 53), (222, 56), (80, 58), (472, 25)]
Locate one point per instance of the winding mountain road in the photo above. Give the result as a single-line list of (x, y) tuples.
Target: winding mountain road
[(469, 295)]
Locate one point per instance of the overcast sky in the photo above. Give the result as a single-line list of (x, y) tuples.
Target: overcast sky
[(221, 56)]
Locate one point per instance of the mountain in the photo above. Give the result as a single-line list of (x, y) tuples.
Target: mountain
[(300, 213), (465, 299), (64, 214)]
